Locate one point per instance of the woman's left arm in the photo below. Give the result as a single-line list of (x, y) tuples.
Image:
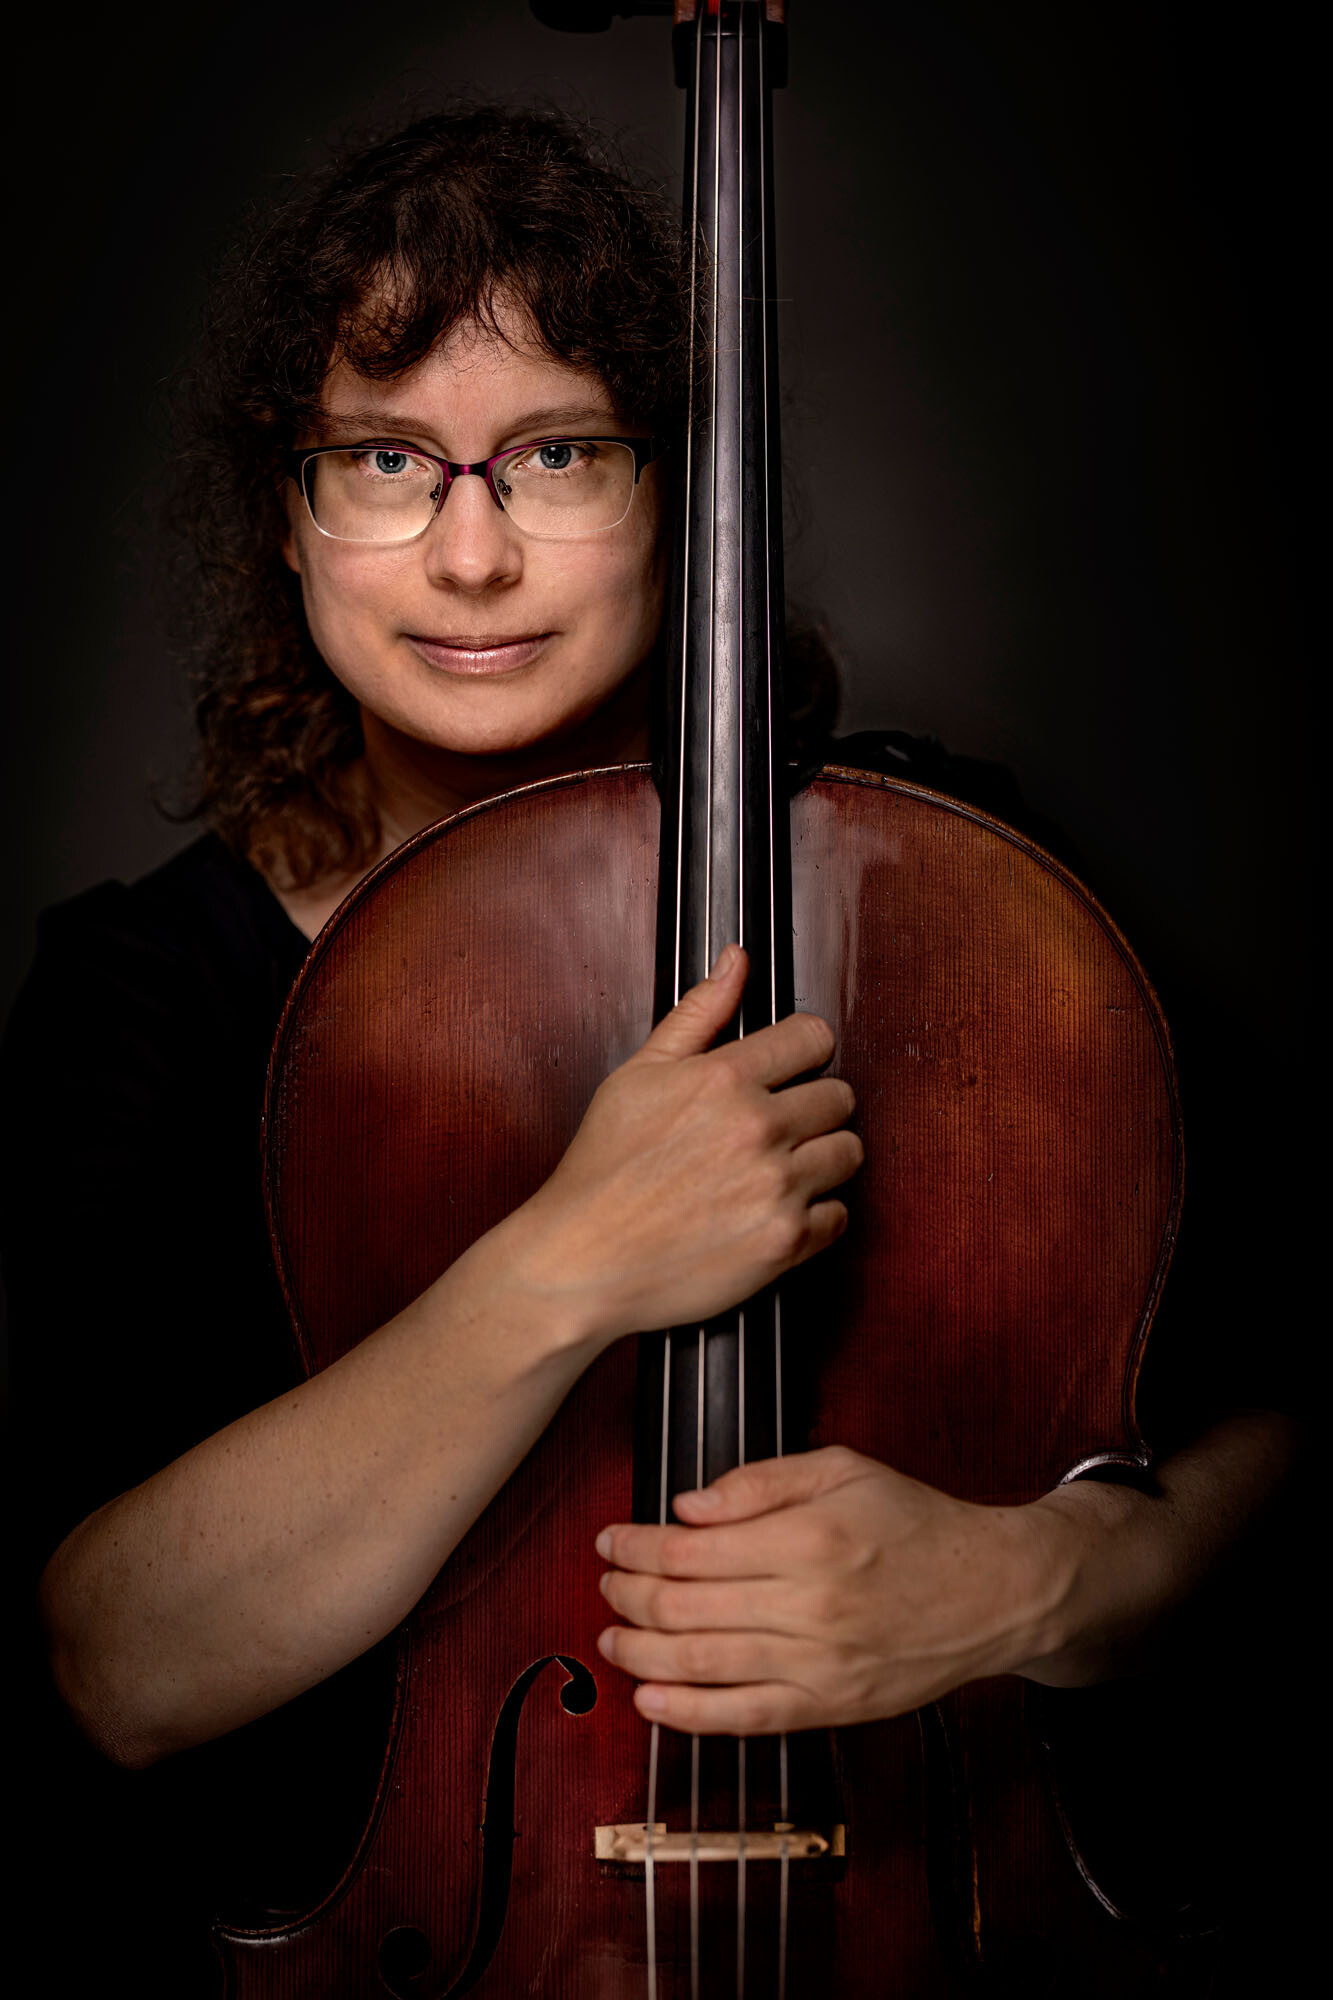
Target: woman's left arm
[(824, 1589)]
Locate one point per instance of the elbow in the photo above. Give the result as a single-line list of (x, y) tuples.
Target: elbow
[(103, 1698), (107, 1722)]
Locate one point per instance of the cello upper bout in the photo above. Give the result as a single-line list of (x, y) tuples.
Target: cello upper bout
[(1018, 1102)]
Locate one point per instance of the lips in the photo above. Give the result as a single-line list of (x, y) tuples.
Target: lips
[(484, 653)]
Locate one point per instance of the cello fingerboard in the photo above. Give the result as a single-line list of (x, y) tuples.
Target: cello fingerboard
[(710, 1396)]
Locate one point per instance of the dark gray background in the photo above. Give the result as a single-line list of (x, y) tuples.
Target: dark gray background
[(1049, 349), (1047, 361)]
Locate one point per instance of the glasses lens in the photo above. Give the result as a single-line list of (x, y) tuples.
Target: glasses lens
[(373, 494), (572, 487)]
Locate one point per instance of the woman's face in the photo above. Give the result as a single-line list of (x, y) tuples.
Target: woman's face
[(477, 638)]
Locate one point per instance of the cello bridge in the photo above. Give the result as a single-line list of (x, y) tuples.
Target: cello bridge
[(782, 1842)]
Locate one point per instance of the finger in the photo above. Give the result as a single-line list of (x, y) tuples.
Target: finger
[(692, 1553), (770, 1484), (787, 1049), (807, 1110), (822, 1164), (674, 1604), (700, 1015), (762, 1708), (713, 1659), (826, 1221)]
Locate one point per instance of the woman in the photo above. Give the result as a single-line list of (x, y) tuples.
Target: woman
[(475, 287)]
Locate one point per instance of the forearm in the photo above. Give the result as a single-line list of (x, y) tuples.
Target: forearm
[(1117, 1564), (280, 1549)]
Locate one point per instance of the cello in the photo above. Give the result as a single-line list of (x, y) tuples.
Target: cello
[(981, 1326)]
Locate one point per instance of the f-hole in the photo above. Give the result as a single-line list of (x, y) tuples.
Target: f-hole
[(404, 1953)]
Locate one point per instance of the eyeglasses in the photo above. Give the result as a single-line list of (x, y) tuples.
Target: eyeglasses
[(383, 490)]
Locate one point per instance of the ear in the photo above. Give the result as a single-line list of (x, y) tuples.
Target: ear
[(291, 553)]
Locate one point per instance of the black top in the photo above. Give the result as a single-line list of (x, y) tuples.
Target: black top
[(148, 1315)]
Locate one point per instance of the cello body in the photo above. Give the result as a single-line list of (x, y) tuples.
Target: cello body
[(979, 1327)]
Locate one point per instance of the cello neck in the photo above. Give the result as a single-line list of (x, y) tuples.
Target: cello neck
[(726, 861), (711, 1396)]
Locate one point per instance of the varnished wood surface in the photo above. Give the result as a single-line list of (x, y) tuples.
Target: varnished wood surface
[(980, 1327)]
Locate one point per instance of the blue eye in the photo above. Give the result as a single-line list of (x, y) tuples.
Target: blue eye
[(390, 461), (555, 457)]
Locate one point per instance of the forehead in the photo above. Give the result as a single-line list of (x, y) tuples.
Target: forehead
[(469, 395)]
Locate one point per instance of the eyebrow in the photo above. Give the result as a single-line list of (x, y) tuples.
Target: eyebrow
[(333, 426)]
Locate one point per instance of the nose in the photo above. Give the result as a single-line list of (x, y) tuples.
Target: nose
[(471, 542)]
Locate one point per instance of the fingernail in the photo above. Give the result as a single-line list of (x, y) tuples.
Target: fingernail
[(649, 1701), (703, 1498), (606, 1643), (603, 1581), (603, 1543), (724, 961)]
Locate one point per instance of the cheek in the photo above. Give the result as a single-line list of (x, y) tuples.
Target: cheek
[(628, 588), (344, 597)]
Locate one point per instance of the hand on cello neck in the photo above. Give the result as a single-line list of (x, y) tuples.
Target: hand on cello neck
[(696, 1177)]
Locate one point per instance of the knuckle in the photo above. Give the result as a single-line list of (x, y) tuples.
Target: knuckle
[(818, 1036), (826, 1544), (849, 1675), (713, 1078), (833, 1221), (753, 1127), (823, 1605), (783, 1239), (699, 1658), (656, 1604), (672, 1609), (677, 1548), (755, 1715)]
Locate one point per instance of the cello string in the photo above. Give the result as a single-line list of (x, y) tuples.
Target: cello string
[(649, 1872), (686, 512), (708, 889), (700, 1372), (740, 1874), (742, 635), (654, 1737), (745, 638), (784, 1864), (712, 508), (694, 1868)]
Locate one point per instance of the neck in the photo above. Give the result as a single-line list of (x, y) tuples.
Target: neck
[(413, 784)]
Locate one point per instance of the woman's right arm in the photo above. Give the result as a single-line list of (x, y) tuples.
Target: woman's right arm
[(283, 1547)]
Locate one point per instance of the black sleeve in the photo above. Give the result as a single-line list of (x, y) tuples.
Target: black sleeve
[(145, 1311), (146, 1315)]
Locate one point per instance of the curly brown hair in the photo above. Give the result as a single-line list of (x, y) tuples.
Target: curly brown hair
[(374, 262)]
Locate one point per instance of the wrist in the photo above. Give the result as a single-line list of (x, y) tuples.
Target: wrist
[(1097, 1559), (513, 1274), (1053, 1577)]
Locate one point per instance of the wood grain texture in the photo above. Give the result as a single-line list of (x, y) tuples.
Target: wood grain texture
[(980, 1326)]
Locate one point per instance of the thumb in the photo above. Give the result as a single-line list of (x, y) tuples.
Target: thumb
[(700, 1015), (768, 1484)]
